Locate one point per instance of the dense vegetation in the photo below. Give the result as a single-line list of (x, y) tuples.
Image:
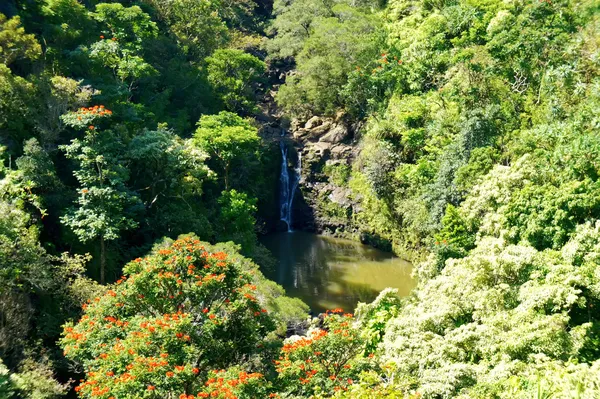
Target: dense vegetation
[(128, 130)]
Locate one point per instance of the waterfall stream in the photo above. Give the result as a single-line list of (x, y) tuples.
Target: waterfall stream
[(288, 185)]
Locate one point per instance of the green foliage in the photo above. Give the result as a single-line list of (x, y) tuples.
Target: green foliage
[(502, 306), (479, 143), (173, 317), (36, 381), (546, 215), (15, 44), (102, 198), (292, 25), (338, 174), (124, 32), (104, 206), (480, 163), (128, 24), (373, 317), (16, 94), (236, 219), (169, 173), (6, 386), (38, 291), (455, 238), (226, 137), (233, 75), (336, 44), (328, 359), (196, 24)]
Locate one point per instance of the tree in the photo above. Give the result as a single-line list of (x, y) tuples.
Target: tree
[(168, 173), (173, 317), (33, 286), (226, 137), (236, 219), (16, 93), (232, 74), (104, 206), (326, 360), (292, 25), (196, 25), (15, 43), (124, 30), (336, 46)]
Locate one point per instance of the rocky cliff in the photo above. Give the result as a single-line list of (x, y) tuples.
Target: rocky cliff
[(327, 146)]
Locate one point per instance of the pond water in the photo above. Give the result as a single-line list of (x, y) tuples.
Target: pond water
[(328, 273)]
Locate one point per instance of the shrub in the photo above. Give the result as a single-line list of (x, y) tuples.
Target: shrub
[(174, 316)]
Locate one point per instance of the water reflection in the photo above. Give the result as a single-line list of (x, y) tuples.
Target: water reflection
[(328, 272)]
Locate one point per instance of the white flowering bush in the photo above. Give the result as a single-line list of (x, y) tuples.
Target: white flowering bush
[(491, 319)]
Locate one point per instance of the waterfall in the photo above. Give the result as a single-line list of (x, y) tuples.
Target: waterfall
[(287, 187)]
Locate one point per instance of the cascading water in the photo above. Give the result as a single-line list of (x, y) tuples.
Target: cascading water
[(287, 186)]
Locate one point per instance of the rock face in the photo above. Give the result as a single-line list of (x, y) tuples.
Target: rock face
[(328, 147)]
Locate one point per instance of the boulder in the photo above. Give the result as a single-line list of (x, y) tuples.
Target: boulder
[(336, 135), (321, 149), (301, 133), (313, 122), (320, 130), (341, 196), (341, 151)]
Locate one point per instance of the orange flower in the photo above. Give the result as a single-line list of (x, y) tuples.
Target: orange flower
[(91, 127), (101, 36), (179, 368), (151, 387), (170, 374), (195, 370), (212, 316)]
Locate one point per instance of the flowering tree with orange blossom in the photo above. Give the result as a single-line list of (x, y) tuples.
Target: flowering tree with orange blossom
[(327, 360), (172, 318)]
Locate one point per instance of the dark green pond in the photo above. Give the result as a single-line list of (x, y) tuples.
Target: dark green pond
[(329, 273)]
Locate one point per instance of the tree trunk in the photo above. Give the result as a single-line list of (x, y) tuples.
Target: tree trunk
[(227, 177), (102, 259)]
